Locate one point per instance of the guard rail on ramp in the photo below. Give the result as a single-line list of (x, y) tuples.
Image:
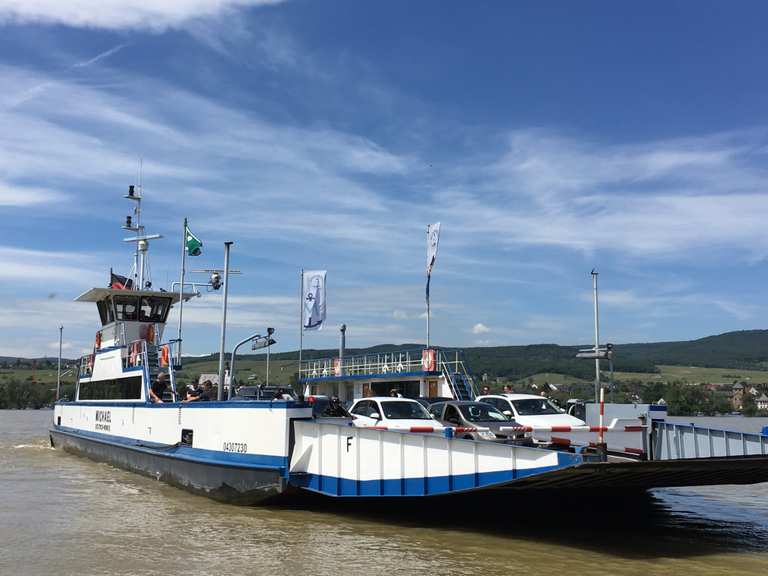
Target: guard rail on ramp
[(339, 460), (680, 455), (676, 441)]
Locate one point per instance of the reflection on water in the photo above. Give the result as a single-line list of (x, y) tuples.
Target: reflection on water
[(66, 515)]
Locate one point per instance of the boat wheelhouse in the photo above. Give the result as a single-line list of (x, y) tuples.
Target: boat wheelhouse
[(128, 354)]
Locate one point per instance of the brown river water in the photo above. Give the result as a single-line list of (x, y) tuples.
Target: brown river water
[(61, 514)]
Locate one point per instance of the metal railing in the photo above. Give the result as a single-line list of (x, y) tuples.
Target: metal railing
[(115, 332), (674, 441), (152, 358), (378, 363), (447, 362)]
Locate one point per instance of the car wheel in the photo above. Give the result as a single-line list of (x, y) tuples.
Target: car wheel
[(467, 437)]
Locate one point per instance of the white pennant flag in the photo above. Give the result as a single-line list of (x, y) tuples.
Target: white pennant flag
[(433, 236), (313, 295)]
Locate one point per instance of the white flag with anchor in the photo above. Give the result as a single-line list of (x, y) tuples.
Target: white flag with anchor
[(313, 295), (433, 236)]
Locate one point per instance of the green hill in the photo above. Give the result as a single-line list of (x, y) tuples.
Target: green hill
[(744, 350)]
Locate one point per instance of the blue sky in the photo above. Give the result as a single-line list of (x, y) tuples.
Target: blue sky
[(548, 138)]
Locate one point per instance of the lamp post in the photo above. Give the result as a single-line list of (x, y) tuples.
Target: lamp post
[(58, 367), (220, 394), (232, 364), (270, 331)]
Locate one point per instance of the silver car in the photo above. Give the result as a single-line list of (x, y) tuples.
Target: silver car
[(466, 414)]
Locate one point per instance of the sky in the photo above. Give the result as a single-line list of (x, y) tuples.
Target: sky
[(548, 138)]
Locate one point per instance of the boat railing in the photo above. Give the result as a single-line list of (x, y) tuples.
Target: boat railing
[(404, 361), (458, 377), (114, 332), (677, 441), (135, 355)]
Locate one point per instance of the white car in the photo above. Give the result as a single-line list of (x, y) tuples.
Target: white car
[(393, 414), (530, 410)]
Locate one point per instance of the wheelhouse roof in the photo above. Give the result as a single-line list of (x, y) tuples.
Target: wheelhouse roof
[(99, 294)]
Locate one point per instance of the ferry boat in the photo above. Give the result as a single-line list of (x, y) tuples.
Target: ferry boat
[(251, 450)]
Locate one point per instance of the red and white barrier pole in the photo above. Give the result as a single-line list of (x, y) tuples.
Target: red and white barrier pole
[(601, 437)]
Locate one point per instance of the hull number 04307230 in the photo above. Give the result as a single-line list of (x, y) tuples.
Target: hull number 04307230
[(239, 447)]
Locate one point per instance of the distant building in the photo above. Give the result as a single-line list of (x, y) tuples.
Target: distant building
[(762, 402), (737, 396)]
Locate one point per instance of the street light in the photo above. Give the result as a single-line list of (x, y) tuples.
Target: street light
[(234, 357)]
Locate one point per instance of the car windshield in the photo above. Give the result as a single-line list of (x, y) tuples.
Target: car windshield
[(394, 410), (482, 413), (534, 407)]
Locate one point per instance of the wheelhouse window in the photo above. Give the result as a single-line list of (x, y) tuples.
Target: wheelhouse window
[(106, 313), (117, 389), (127, 307), (154, 308)]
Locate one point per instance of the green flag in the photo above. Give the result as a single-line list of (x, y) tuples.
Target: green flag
[(194, 246)]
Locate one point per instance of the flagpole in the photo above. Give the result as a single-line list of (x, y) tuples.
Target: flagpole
[(181, 288), (428, 279), (301, 325), (428, 313)]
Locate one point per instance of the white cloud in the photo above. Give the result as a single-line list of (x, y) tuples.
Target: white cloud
[(480, 328), (56, 268), (11, 195), (652, 199), (155, 15)]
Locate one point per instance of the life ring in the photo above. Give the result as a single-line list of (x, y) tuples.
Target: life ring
[(134, 354), (164, 355), (98, 340), (90, 363), (151, 334)]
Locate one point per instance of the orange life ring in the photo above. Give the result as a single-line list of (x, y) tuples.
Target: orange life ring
[(98, 340), (134, 353), (151, 334), (164, 355)]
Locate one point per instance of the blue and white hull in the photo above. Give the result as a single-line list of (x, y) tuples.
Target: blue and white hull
[(231, 451), (247, 452)]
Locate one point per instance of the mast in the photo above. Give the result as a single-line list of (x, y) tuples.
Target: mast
[(141, 255)]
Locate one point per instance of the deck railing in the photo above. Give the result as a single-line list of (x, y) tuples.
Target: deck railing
[(675, 441), (387, 363)]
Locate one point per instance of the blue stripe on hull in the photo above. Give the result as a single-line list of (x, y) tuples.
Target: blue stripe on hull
[(187, 453), (233, 484), (423, 486)]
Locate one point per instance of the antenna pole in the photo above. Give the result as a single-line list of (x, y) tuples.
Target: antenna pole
[(139, 283), (181, 289), (597, 335), (220, 395)]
